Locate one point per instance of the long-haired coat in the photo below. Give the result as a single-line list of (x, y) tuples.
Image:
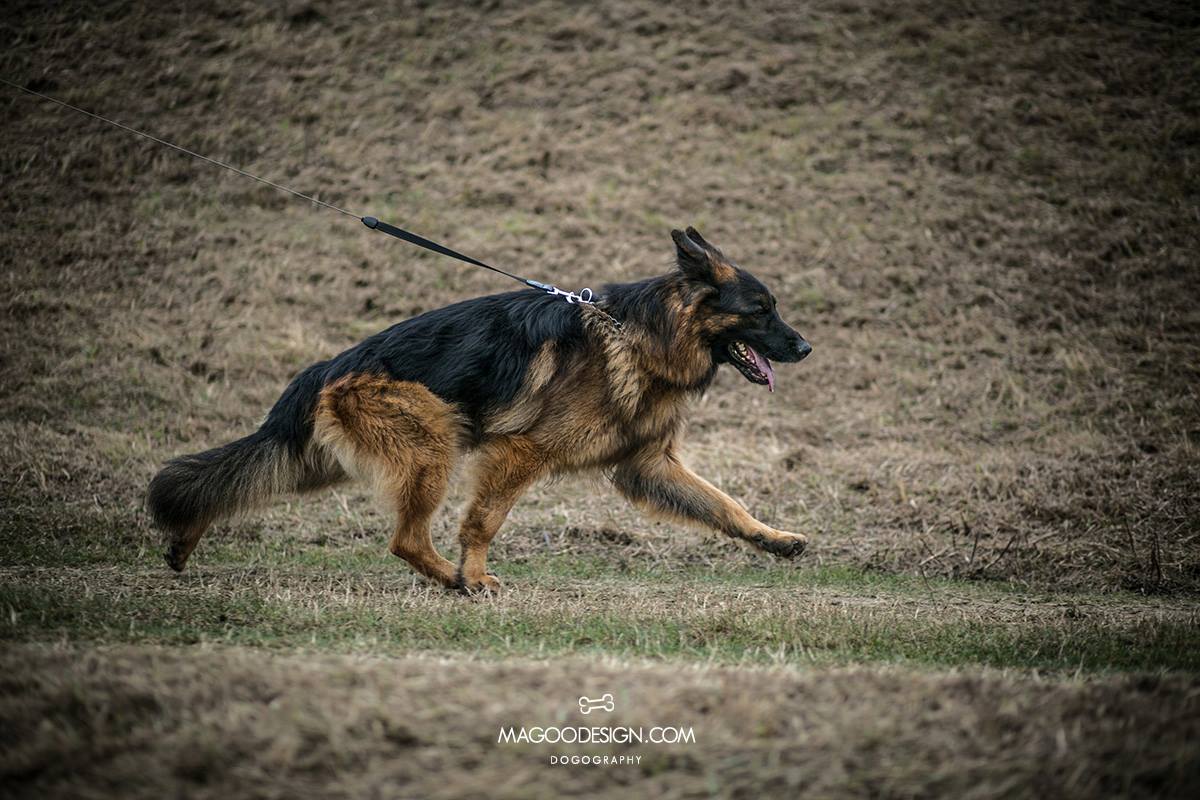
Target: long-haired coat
[(531, 386)]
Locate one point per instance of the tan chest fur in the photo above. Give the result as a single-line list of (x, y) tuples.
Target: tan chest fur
[(592, 408)]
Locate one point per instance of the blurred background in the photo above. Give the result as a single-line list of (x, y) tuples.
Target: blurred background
[(984, 216)]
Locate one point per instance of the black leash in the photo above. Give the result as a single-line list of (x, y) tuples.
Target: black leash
[(583, 296)]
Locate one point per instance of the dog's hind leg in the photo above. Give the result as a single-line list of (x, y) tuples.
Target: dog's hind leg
[(404, 439), (503, 470)]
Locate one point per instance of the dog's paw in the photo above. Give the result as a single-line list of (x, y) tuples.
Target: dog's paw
[(176, 557), (486, 584), (780, 543)]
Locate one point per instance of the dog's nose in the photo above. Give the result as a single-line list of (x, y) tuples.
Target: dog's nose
[(803, 348)]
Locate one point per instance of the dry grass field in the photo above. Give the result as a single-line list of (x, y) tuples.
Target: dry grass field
[(984, 216)]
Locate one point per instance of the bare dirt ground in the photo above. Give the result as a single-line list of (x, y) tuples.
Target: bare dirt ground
[(985, 218)]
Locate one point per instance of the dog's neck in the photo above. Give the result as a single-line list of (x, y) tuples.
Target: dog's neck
[(660, 335)]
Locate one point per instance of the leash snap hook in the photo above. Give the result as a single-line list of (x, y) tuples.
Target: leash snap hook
[(584, 295)]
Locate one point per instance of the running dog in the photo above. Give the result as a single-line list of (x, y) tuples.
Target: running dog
[(533, 386)]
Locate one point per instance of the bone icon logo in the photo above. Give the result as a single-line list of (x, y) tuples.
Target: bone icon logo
[(603, 703)]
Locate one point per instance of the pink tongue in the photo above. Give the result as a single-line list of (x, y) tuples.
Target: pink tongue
[(765, 367)]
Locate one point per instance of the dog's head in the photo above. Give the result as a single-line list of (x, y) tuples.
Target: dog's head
[(737, 313)]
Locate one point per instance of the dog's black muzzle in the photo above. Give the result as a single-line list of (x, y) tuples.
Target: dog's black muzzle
[(803, 348), (787, 347)]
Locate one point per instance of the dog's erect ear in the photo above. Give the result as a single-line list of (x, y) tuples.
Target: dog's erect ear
[(700, 260), (695, 236), (693, 259)]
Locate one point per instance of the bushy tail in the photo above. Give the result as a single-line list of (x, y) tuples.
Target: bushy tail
[(192, 492)]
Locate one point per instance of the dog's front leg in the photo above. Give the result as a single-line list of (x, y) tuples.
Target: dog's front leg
[(660, 483)]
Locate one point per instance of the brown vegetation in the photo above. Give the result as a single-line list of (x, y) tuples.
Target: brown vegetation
[(984, 217), (985, 221), (235, 723)]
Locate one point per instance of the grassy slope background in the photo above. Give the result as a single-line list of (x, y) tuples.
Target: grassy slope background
[(984, 216)]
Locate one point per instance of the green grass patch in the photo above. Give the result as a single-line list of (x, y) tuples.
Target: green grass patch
[(802, 633), (597, 599), (768, 574), (67, 537)]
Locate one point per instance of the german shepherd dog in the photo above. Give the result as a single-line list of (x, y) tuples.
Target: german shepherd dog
[(534, 386)]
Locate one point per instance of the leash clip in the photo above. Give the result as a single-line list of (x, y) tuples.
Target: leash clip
[(583, 296)]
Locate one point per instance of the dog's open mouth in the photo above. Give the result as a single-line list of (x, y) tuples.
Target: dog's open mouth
[(756, 368)]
